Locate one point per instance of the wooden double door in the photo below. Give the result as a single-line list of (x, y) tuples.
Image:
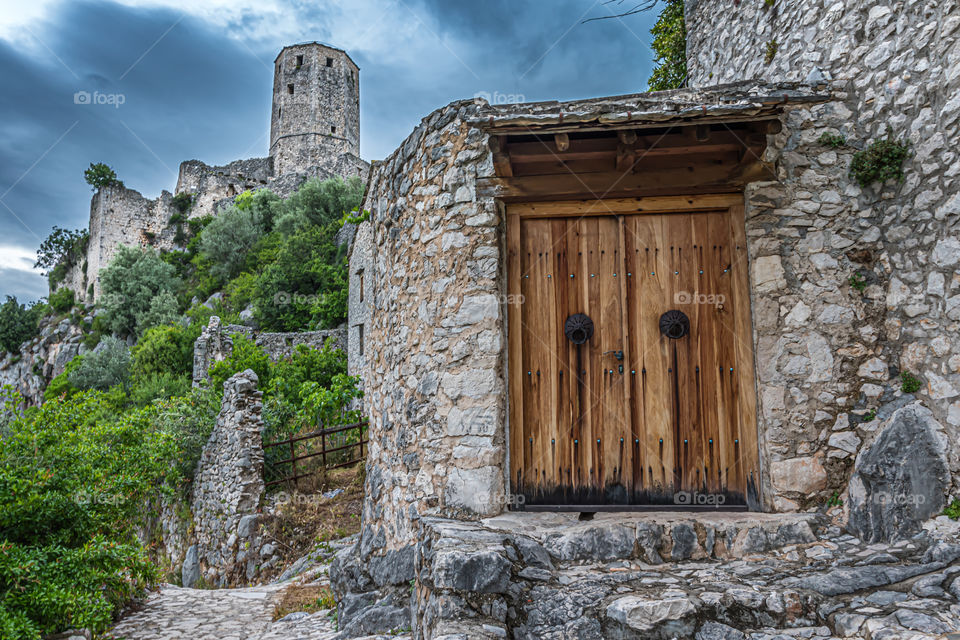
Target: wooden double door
[(630, 354)]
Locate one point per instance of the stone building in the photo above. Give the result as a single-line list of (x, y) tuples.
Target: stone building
[(660, 300), (314, 132)]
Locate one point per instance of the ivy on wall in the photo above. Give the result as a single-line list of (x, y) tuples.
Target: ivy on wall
[(670, 47)]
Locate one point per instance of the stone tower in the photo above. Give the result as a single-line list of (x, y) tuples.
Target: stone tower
[(315, 118)]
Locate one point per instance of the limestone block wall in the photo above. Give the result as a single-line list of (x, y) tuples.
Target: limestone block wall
[(828, 356), (433, 358), (228, 488)]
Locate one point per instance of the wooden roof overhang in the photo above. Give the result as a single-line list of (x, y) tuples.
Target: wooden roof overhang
[(601, 149)]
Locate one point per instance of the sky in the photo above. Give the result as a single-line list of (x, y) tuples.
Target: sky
[(143, 85)]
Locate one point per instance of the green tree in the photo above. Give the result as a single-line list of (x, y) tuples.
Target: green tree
[(318, 202), (18, 323), (166, 349), (100, 175), (670, 47), (305, 285), (61, 249), (129, 285), (227, 240), (62, 300)]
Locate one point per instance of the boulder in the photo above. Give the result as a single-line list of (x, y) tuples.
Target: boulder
[(901, 479)]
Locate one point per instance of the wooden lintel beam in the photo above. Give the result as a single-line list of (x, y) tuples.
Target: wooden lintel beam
[(600, 184)]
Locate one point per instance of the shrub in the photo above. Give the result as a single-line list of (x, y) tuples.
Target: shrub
[(670, 48), (166, 349), (318, 203), (882, 160), (309, 275), (909, 383), (182, 203), (770, 52), (73, 479), (17, 323), (952, 510), (330, 405), (227, 240), (240, 290), (188, 421), (833, 140), (100, 175), (158, 386), (245, 355), (163, 309), (107, 366), (61, 300), (129, 285), (60, 385)]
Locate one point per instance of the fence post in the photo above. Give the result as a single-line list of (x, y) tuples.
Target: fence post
[(323, 445), (293, 464)]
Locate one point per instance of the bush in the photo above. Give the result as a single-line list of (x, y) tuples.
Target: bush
[(318, 202), (670, 46), (128, 287), (309, 275), (100, 175), (245, 355), (163, 310), (17, 323), (60, 385), (62, 248), (182, 203), (879, 162), (73, 479), (146, 389), (188, 421), (107, 366), (226, 241), (62, 300), (166, 349)]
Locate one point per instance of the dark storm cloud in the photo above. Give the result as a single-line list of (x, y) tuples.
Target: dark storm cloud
[(191, 89)]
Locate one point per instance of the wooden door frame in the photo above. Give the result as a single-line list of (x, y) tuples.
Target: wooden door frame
[(653, 205)]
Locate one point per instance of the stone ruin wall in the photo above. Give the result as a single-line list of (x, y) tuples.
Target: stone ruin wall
[(434, 336), (827, 354), (216, 343)]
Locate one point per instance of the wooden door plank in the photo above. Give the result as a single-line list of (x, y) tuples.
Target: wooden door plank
[(629, 478), (611, 341), (515, 348), (747, 400)]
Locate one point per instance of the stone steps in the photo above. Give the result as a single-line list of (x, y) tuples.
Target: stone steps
[(738, 577)]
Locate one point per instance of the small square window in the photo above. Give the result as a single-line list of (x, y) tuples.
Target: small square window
[(329, 62), (299, 61), (333, 129), (290, 89)]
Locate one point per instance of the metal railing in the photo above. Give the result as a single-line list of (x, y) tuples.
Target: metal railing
[(323, 452)]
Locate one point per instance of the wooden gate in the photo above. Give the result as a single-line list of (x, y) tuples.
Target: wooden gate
[(631, 358)]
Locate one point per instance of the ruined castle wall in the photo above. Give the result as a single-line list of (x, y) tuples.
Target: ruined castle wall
[(829, 355), (213, 186), (433, 358)]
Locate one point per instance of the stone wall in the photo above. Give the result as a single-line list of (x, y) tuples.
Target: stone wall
[(214, 186), (215, 344), (828, 355), (361, 269), (227, 491), (433, 333)]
